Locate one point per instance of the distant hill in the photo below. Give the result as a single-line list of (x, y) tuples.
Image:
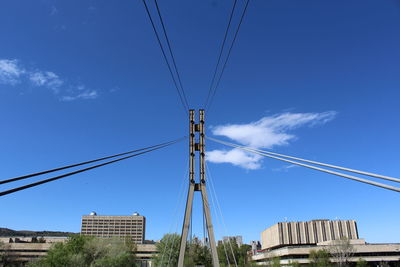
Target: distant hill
[(9, 232)]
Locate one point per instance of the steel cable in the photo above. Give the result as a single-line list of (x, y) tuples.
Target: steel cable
[(185, 107), (208, 105), (221, 51), (81, 170), (172, 54), (78, 164), (351, 177)]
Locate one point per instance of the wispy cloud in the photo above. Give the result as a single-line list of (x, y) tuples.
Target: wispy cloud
[(267, 132), (12, 73), (47, 79), (285, 168), (53, 11), (85, 95), (236, 157)]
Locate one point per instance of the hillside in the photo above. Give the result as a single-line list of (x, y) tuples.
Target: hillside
[(9, 232)]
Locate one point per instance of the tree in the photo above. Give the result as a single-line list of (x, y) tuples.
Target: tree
[(197, 254), (226, 257), (295, 264), (276, 262), (319, 258), (85, 251), (342, 251), (4, 255), (168, 250), (362, 263)]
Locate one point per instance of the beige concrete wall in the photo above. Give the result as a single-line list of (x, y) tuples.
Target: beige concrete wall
[(115, 226), (359, 245), (311, 232), (270, 237), (31, 251)]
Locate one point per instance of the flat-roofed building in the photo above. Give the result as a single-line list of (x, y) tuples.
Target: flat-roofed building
[(307, 233), (107, 226), (292, 242), (374, 254), (19, 254)]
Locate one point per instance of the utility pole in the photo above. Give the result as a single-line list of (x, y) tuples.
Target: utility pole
[(194, 187)]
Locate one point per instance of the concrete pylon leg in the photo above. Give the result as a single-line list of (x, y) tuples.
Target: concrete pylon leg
[(210, 228), (186, 224)]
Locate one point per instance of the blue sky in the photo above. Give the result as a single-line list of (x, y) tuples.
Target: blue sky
[(82, 79)]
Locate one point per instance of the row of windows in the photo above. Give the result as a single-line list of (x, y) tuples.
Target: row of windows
[(109, 233), (111, 220), (131, 237), (113, 232), (109, 224), (113, 226), (111, 229), (121, 236)]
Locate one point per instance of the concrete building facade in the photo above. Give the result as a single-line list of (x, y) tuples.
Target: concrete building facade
[(292, 242), (374, 254), (307, 233), (107, 226), (20, 254)]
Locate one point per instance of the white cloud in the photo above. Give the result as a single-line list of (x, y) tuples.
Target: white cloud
[(285, 168), (85, 95), (46, 78), (236, 157), (10, 71), (267, 132)]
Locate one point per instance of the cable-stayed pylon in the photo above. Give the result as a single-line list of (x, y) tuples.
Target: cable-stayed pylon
[(197, 186)]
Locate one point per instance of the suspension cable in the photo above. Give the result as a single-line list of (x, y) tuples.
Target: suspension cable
[(172, 54), (220, 53), (180, 199), (222, 217), (81, 170), (389, 187), (183, 102), (208, 105), (215, 211), (81, 163), (326, 165)]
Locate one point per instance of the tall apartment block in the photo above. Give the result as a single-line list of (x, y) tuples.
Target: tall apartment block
[(307, 233), (107, 226)]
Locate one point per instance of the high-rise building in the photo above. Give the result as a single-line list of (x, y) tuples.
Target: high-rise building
[(107, 226)]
